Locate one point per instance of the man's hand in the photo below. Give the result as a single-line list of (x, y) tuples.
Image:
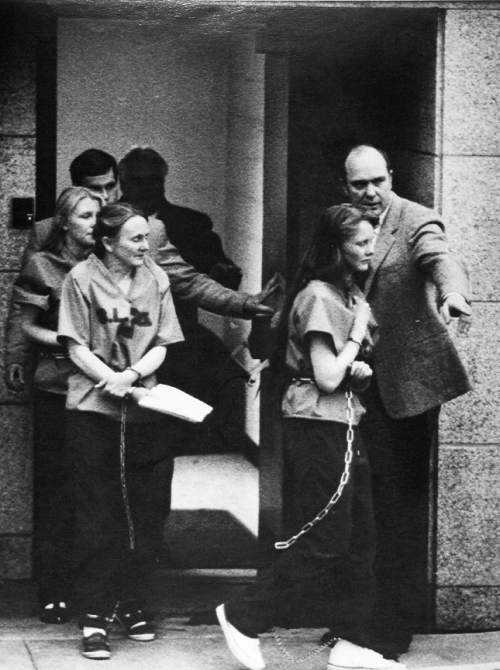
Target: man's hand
[(14, 377), (255, 308), (454, 306), (271, 294)]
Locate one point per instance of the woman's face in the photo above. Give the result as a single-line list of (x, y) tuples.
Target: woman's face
[(358, 250), (131, 245), (81, 223)]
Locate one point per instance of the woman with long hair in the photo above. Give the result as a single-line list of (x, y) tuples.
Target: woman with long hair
[(116, 319), (38, 291), (329, 334)]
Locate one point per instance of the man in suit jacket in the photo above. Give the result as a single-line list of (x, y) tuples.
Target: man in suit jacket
[(415, 286), (200, 365)]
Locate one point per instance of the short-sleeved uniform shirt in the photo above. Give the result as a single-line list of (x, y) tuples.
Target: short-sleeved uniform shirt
[(319, 307), (40, 284), (119, 329)]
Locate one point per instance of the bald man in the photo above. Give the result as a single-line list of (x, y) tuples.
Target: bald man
[(415, 287)]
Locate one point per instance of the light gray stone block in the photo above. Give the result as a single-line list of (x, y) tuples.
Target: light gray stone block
[(471, 202), (6, 281), (16, 479), (471, 82), (474, 418), (473, 608), (468, 532), (17, 176), (15, 557)]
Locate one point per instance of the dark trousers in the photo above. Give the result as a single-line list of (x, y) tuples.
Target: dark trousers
[(335, 558), (202, 366), (53, 500), (399, 451), (108, 569)]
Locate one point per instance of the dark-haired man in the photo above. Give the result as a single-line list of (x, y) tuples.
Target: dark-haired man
[(142, 175), (97, 171), (94, 169), (415, 286)]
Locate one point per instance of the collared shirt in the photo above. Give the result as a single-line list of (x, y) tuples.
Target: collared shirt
[(381, 220)]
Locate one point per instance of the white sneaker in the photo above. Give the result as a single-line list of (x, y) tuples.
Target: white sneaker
[(245, 649), (348, 656)]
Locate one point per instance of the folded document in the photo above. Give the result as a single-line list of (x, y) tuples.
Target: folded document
[(173, 401)]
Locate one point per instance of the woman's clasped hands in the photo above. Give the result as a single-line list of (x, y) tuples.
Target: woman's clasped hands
[(118, 384)]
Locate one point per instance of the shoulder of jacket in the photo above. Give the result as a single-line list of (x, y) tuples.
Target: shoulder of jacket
[(413, 209), (42, 229), (192, 215), (45, 223), (42, 260)]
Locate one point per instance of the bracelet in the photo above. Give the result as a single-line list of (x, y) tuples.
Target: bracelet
[(136, 372), (351, 339)]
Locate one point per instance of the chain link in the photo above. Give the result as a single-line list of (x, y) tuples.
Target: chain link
[(286, 544), (310, 524), (300, 659), (123, 476)]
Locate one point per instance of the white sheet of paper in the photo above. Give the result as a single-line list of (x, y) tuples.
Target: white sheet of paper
[(170, 400)]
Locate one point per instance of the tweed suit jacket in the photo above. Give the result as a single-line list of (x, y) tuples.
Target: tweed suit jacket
[(415, 362)]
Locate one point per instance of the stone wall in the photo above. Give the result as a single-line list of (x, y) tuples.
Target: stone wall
[(468, 530), (17, 178)]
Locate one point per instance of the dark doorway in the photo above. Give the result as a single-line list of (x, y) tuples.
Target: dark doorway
[(362, 79), (351, 76)]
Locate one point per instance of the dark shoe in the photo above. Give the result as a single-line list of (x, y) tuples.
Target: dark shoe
[(55, 612), (393, 646), (96, 646), (137, 627)]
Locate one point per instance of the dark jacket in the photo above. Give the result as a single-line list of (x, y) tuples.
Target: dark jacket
[(192, 234)]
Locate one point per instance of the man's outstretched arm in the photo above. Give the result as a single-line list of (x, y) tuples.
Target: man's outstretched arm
[(189, 284)]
